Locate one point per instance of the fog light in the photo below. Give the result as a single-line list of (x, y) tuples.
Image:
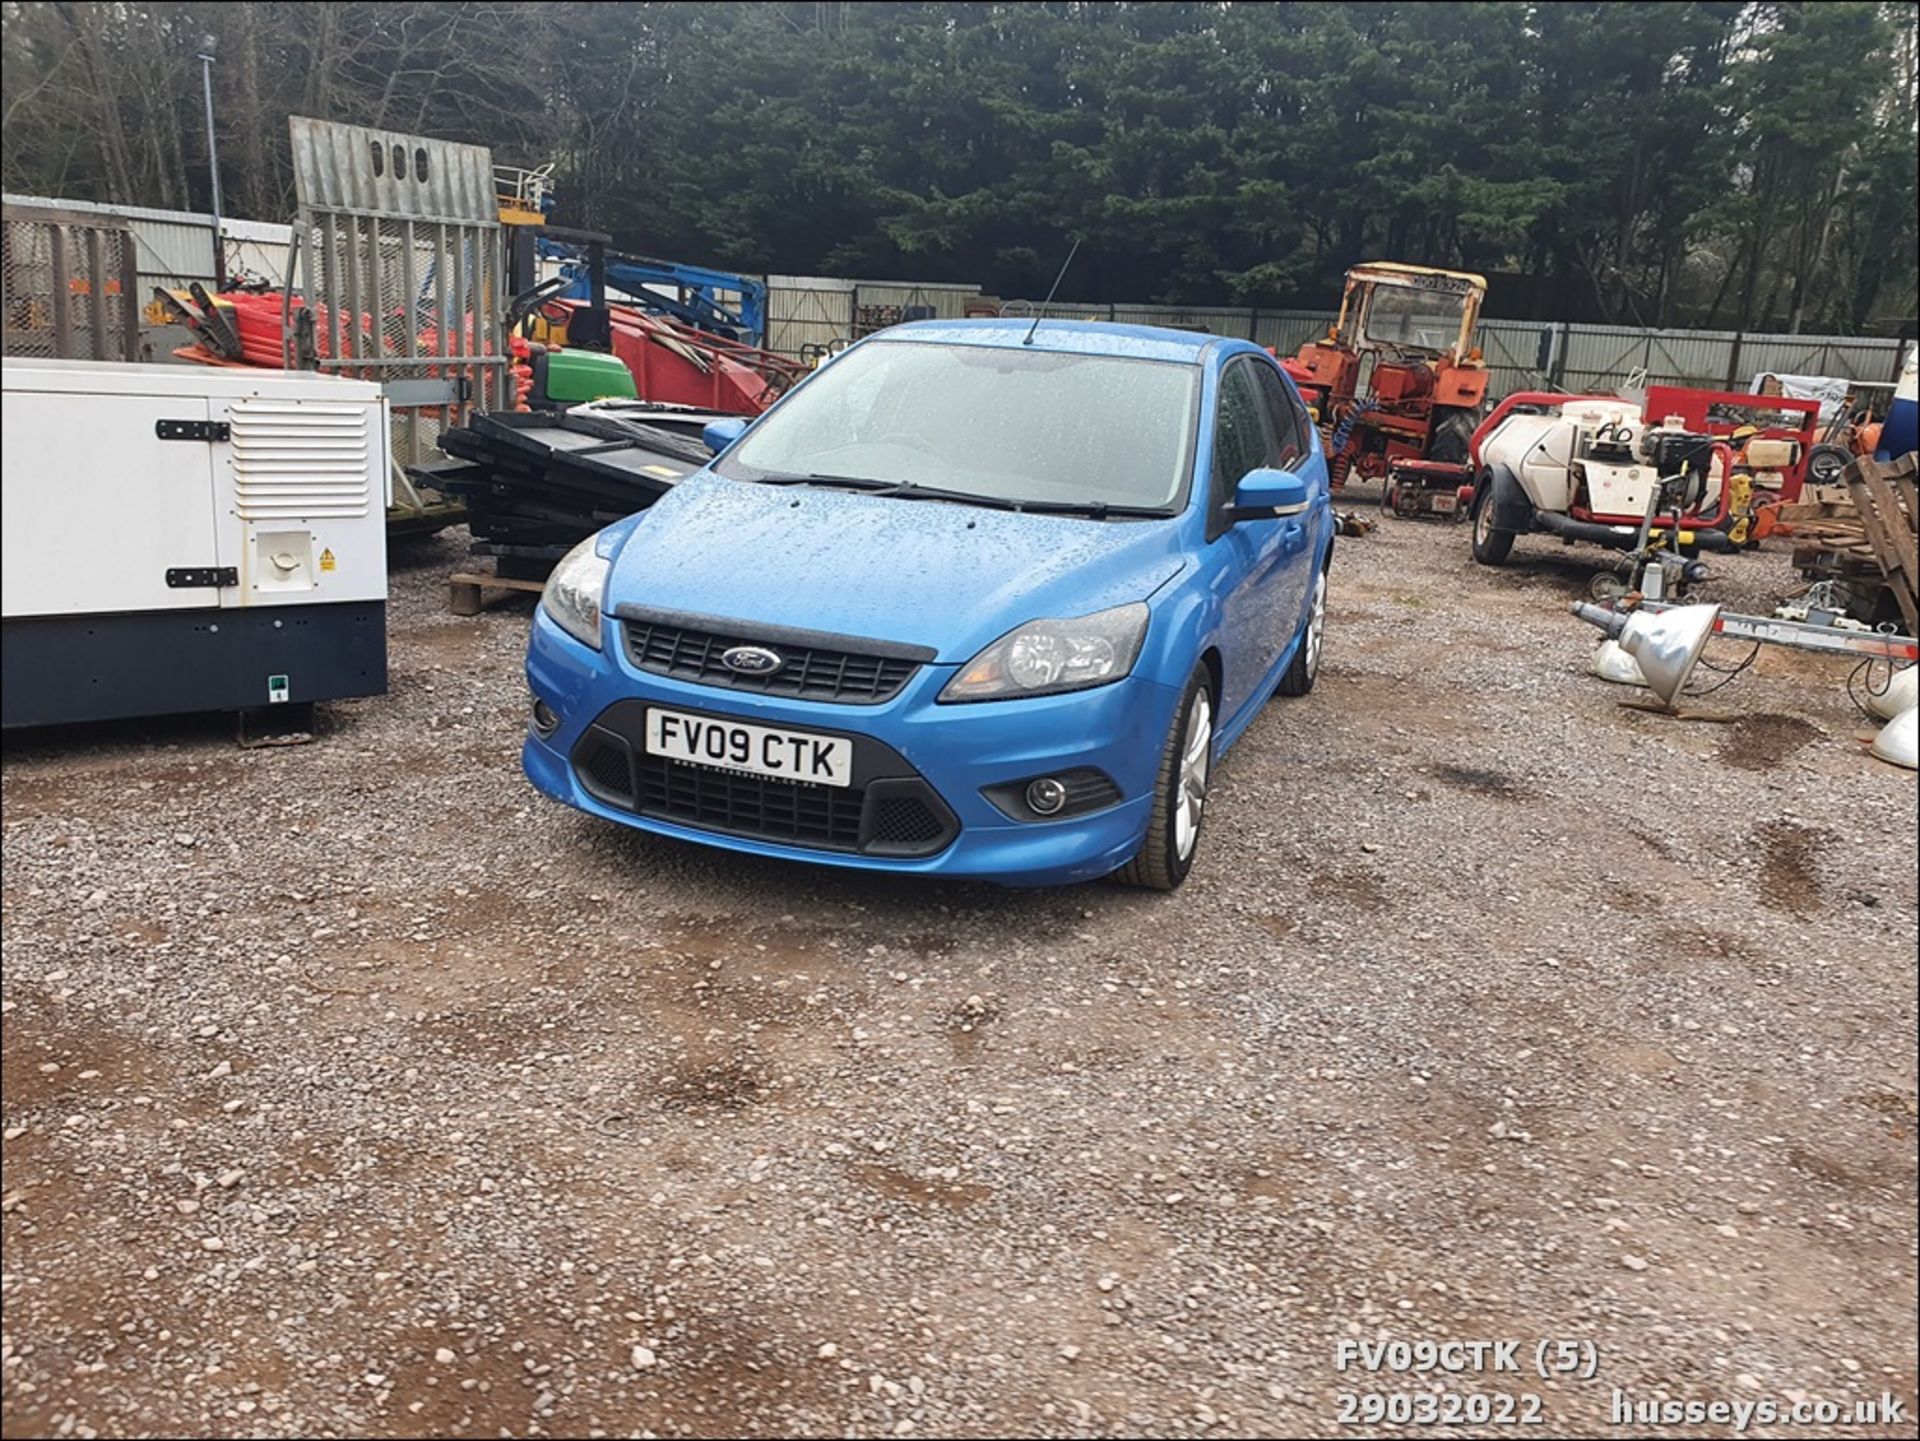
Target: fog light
[(545, 720), (1046, 796)]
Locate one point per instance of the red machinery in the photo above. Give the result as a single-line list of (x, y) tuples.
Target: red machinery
[(674, 363), (1707, 412), (1426, 383)]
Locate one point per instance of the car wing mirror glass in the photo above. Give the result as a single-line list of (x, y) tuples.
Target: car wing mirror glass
[(1265, 494), (719, 434)]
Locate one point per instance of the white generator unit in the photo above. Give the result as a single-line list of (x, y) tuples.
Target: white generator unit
[(188, 538), (1588, 457)]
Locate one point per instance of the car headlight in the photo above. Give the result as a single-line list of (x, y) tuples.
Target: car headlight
[(572, 596), (1046, 657)]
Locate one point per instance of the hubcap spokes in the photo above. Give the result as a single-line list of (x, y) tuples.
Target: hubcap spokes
[(1196, 748)]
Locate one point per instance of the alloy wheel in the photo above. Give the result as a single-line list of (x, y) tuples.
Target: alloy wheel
[(1317, 624), (1196, 754)]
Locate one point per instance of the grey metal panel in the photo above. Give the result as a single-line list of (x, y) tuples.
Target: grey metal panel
[(387, 240), (64, 669), (1512, 350), (1285, 331), (799, 316), (1213, 319), (175, 247), (948, 302), (334, 169), (1845, 357)]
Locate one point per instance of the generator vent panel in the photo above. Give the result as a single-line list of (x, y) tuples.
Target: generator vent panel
[(301, 461)]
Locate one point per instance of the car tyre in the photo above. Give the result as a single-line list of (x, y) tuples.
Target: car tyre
[(1179, 793), (1491, 546), (1306, 656)]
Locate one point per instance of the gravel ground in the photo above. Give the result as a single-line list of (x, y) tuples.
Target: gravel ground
[(353, 1088)]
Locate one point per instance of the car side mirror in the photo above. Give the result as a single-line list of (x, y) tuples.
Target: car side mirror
[(1266, 494), (719, 434)]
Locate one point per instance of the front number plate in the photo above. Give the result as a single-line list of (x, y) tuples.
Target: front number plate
[(757, 750)]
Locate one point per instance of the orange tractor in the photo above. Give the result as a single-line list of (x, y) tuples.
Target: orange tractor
[(1424, 388)]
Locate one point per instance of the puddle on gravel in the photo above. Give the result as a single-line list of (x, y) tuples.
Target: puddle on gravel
[(1482, 782), (1761, 742), (1789, 867), (951, 1195)]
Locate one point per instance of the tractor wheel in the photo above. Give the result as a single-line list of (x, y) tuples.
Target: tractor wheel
[(1452, 435)]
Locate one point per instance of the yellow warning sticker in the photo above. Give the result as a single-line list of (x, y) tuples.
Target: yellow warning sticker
[(326, 560)]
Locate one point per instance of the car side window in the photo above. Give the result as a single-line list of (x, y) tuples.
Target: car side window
[(1305, 419), (1239, 439), (1282, 409)]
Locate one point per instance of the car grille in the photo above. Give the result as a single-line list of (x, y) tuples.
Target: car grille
[(891, 815), (750, 805), (811, 672)]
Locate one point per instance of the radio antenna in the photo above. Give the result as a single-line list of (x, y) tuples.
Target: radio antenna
[(1049, 300)]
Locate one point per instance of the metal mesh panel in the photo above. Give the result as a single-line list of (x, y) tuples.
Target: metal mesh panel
[(67, 287), (403, 273), (401, 300)]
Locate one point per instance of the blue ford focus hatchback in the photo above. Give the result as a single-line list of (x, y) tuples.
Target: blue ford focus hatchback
[(978, 598)]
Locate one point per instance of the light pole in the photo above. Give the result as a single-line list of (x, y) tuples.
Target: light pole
[(207, 44)]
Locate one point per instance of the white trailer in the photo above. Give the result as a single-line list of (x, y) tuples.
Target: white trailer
[(188, 538)]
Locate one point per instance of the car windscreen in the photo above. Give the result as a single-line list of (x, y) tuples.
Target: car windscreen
[(1000, 422), (1416, 319)]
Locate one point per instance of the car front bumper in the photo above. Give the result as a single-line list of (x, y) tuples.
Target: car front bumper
[(956, 750)]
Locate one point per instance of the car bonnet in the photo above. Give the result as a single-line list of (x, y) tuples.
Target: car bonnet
[(948, 576)]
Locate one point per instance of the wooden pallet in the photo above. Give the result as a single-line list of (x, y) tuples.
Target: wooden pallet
[(1861, 532), (1889, 511), (470, 592)]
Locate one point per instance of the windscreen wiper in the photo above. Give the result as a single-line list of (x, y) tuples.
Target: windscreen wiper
[(838, 482), (905, 489), (1093, 509), (912, 490)]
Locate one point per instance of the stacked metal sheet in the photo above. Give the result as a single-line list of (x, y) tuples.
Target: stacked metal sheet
[(536, 484)]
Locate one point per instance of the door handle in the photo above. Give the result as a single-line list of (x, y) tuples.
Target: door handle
[(1293, 537)]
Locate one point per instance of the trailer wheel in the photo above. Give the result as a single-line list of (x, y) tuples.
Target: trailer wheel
[(1452, 436), (1490, 546), (1825, 462)]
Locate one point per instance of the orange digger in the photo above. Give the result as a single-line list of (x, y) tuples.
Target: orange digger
[(1405, 334)]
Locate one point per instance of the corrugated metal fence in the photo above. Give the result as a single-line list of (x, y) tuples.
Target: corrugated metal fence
[(1522, 354), (806, 312), (173, 247)]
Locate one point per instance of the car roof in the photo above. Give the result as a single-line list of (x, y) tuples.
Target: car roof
[(1080, 337)]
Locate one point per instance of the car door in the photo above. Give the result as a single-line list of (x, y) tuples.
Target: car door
[(1301, 535), (1250, 555)]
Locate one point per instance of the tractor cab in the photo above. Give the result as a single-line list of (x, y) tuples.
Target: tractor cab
[(1426, 381)]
